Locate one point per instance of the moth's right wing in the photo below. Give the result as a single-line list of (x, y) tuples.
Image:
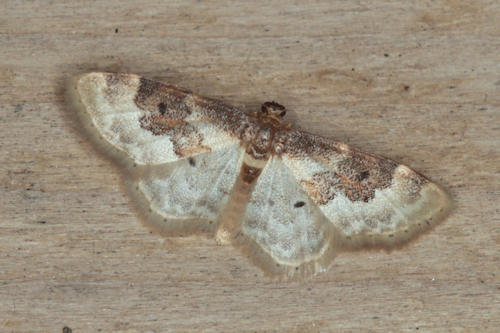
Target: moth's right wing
[(370, 200), (151, 122), (283, 229)]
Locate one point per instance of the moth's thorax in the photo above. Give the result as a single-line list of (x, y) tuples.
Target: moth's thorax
[(257, 141), (259, 146), (261, 142), (262, 135)]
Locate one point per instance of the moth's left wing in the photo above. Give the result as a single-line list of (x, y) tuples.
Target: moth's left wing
[(370, 200), (185, 148), (151, 122), (187, 196)]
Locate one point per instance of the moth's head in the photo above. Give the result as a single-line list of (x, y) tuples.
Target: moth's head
[(272, 113), (273, 109)]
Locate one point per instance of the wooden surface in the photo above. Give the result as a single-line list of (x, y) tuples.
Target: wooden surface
[(419, 83)]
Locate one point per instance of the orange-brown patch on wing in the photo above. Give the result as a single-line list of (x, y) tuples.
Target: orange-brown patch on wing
[(357, 178), (185, 137), (193, 150), (158, 124), (322, 187), (354, 190), (362, 174), (349, 171)]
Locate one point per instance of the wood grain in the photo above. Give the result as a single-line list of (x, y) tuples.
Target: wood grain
[(414, 81)]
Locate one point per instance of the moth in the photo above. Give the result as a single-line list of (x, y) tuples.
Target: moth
[(291, 200)]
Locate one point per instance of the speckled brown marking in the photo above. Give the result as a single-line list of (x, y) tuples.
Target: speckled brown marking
[(185, 138), (354, 190), (354, 168), (325, 185), (227, 118), (150, 95), (357, 176), (414, 183), (113, 80), (249, 174), (159, 125), (301, 144), (322, 187)]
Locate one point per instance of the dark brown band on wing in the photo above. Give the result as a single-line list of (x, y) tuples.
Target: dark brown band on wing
[(164, 113), (170, 102), (361, 174), (357, 184), (352, 172), (163, 99)]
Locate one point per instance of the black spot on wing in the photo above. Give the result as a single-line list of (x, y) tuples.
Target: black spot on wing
[(192, 162), (162, 108), (299, 204), (363, 175)]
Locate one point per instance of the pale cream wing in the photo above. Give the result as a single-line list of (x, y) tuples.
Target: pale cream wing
[(189, 193), (370, 200), (283, 222), (151, 122)]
